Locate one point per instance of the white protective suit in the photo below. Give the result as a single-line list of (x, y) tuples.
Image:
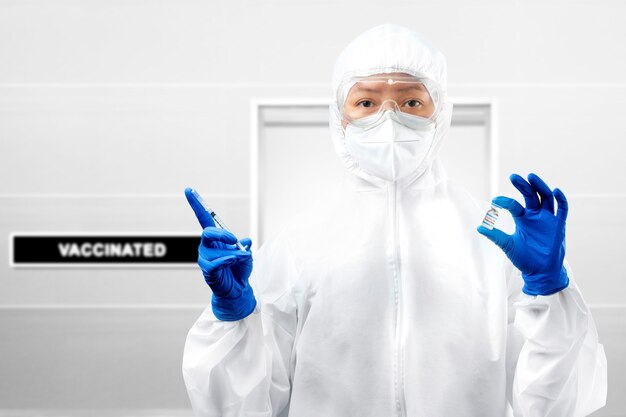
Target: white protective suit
[(388, 302)]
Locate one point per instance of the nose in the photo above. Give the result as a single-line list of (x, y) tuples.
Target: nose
[(389, 104)]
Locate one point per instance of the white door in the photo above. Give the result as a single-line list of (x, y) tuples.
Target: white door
[(296, 162)]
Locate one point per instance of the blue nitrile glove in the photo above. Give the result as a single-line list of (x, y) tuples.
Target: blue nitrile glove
[(537, 248), (225, 268)]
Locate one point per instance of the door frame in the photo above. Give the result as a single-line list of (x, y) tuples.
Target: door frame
[(257, 104)]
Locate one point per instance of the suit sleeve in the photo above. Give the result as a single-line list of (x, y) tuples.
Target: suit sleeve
[(243, 368), (556, 366)]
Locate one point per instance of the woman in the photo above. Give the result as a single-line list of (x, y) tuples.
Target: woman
[(387, 302)]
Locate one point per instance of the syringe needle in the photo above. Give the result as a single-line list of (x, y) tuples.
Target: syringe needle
[(216, 219)]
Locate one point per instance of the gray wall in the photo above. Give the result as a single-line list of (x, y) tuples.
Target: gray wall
[(108, 109)]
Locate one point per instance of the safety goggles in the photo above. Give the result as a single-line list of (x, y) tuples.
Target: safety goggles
[(366, 101)]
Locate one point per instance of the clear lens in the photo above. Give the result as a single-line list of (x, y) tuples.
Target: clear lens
[(368, 99)]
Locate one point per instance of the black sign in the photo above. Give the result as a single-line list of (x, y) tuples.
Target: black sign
[(76, 249)]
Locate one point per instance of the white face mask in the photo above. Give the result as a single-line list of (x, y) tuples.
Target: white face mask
[(390, 150)]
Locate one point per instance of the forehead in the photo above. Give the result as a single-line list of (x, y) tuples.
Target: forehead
[(390, 82)]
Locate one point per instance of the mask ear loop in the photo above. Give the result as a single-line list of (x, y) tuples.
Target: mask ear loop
[(434, 146)]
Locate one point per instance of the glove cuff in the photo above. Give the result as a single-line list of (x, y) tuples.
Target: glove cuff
[(233, 309), (543, 284)]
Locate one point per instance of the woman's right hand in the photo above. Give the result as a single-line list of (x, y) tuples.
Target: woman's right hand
[(226, 269)]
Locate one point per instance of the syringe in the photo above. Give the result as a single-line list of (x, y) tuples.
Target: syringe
[(216, 219)]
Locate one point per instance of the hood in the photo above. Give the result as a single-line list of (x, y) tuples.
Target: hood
[(384, 49)]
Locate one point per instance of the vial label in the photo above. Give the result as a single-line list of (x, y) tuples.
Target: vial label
[(491, 217)]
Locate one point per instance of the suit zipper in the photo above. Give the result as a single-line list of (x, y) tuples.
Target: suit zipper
[(398, 362)]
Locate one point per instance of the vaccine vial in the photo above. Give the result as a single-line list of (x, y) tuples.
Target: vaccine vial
[(491, 217)]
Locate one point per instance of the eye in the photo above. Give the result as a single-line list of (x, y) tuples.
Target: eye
[(413, 103), (365, 103)]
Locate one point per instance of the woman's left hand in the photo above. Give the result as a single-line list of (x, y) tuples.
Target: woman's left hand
[(537, 248)]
